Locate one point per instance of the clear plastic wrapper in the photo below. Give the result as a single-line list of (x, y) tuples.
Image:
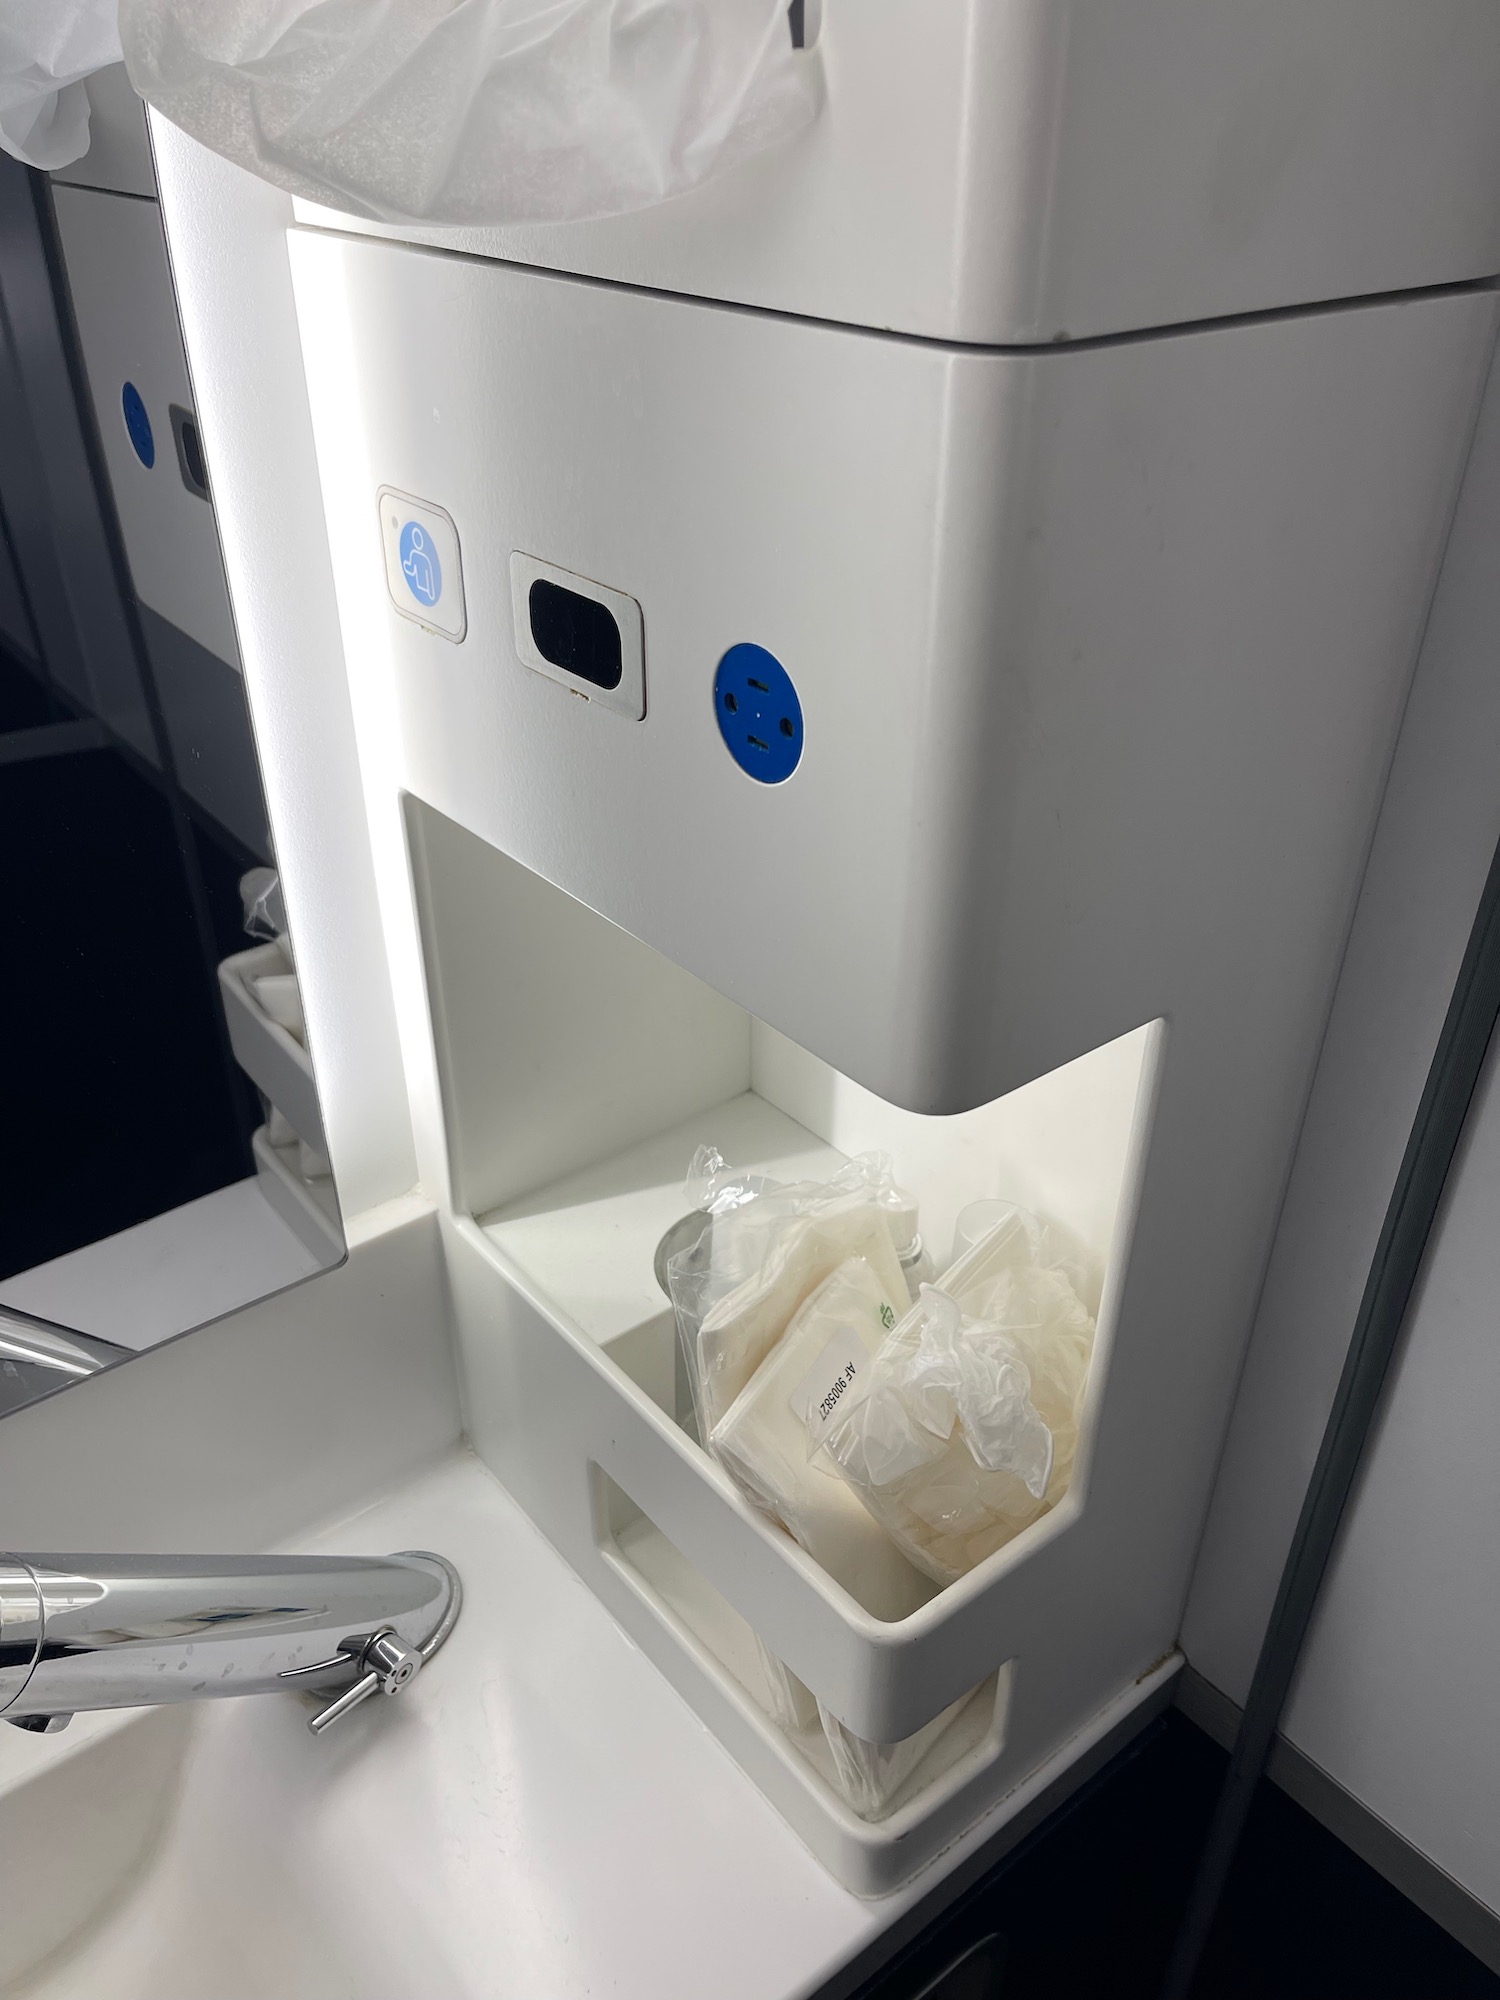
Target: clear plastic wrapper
[(485, 112), (47, 50), (260, 899), (968, 1429), (762, 1439), (765, 1249)]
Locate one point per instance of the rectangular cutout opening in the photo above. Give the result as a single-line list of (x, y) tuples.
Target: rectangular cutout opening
[(581, 1069), (879, 1786)]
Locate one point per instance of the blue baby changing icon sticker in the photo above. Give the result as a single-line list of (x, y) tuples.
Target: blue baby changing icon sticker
[(422, 569), (420, 565)]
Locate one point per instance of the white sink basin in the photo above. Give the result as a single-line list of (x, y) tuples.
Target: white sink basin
[(82, 1815), (540, 1817)]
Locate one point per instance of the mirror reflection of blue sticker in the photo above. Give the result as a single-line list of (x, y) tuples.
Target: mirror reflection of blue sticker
[(138, 425), (420, 565)]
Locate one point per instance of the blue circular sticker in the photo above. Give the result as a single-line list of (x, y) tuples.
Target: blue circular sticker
[(420, 565), (138, 425)]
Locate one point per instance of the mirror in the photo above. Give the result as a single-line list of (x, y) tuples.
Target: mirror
[(164, 1159)]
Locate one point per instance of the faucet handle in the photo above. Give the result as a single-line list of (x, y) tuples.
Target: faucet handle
[(392, 1661), (389, 1665)]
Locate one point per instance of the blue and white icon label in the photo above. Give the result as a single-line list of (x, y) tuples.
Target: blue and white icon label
[(420, 565), (423, 571)]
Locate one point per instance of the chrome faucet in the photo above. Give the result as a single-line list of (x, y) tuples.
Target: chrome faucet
[(81, 1632)]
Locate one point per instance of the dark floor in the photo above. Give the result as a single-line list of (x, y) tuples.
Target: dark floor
[(116, 1100), (1087, 1909)]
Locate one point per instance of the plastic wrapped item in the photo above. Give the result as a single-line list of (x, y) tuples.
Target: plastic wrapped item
[(476, 111), (265, 910), (762, 1248), (902, 1214), (260, 899), (974, 1223), (968, 1429), (764, 1251), (762, 1439), (766, 1279), (47, 50)]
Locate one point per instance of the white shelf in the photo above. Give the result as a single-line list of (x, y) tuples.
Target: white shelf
[(588, 1241)]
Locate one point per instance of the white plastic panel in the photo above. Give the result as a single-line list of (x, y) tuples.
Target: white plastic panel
[(591, 1041), (1045, 692), (1042, 170), (122, 295), (1049, 616)]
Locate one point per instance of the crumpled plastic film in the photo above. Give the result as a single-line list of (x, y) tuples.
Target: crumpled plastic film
[(47, 49), (762, 1441), (476, 111), (969, 1430), (767, 1249)]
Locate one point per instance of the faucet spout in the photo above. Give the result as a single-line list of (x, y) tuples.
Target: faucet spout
[(100, 1631)]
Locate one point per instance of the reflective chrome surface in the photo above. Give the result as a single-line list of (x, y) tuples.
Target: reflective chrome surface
[(20, 1628), (93, 1631), (37, 1357)]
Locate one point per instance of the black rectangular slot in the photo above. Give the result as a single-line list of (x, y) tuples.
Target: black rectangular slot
[(576, 633), (189, 451)]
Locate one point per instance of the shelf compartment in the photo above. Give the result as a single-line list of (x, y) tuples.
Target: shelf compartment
[(274, 1060), (579, 1071)]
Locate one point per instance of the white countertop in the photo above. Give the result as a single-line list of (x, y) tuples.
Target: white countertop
[(540, 1818)]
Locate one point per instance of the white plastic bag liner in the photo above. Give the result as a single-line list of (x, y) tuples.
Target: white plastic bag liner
[(47, 49), (476, 111), (969, 1429)]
